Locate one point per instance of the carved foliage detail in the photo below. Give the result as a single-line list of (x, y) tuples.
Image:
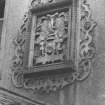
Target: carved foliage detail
[(51, 38), (19, 42), (19, 53), (87, 43), (50, 46)]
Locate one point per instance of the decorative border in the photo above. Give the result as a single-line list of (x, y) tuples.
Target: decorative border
[(51, 81), (20, 41), (19, 51), (54, 82), (41, 3), (87, 48)]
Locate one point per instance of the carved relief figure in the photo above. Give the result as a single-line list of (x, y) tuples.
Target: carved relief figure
[(51, 38)]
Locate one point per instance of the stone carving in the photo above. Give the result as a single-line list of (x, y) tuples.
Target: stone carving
[(36, 3), (49, 84), (51, 38), (19, 42), (45, 84), (50, 46), (17, 78), (19, 53), (26, 19), (87, 44)]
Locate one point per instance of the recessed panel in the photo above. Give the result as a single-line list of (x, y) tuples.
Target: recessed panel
[(51, 37)]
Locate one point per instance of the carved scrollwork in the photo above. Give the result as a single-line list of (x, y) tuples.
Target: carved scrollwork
[(25, 22), (49, 84), (19, 42), (18, 57), (87, 49), (17, 78), (19, 53), (45, 84), (51, 48)]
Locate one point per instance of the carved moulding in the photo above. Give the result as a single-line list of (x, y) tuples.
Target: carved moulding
[(19, 47), (44, 81), (19, 52), (87, 48), (56, 76)]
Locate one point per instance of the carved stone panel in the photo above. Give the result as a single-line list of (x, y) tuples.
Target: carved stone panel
[(52, 67), (53, 49), (51, 38)]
